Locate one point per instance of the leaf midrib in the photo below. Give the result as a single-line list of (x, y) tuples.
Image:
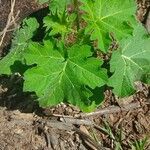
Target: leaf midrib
[(63, 72), (110, 15), (129, 59)]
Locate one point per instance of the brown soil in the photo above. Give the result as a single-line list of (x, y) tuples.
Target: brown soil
[(25, 126)]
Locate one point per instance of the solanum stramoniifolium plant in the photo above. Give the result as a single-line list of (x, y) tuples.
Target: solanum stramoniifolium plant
[(72, 73)]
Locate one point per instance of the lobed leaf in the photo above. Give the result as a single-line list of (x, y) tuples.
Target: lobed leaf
[(59, 8), (21, 39), (56, 26), (56, 78), (130, 63), (58, 21), (108, 16)]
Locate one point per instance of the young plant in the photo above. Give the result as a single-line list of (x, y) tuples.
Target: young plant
[(115, 139), (140, 144), (60, 72)]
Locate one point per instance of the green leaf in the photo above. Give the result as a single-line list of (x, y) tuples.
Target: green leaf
[(57, 79), (148, 78), (56, 26), (21, 39), (108, 16), (58, 21), (57, 7), (130, 62)]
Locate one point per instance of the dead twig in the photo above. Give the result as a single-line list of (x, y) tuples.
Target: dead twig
[(108, 110), (77, 121), (114, 109), (10, 21), (62, 116), (58, 125)]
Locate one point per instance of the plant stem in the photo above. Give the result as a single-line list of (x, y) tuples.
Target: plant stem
[(77, 13)]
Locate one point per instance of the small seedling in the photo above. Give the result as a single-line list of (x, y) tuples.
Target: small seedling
[(140, 144)]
